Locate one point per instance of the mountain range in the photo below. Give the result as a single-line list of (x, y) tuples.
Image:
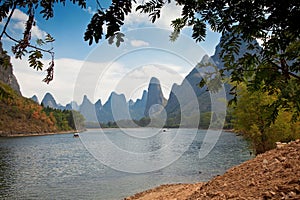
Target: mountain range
[(183, 102), (116, 108)]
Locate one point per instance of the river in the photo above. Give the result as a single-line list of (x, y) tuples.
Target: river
[(62, 167)]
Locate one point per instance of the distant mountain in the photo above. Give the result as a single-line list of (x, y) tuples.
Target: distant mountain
[(49, 101), (35, 99), (6, 72), (183, 102), (137, 109), (116, 108), (186, 97), (87, 109), (72, 106), (183, 98), (98, 109), (155, 98)]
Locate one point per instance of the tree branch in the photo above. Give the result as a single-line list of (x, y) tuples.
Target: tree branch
[(29, 45), (99, 4), (8, 20), (284, 71)]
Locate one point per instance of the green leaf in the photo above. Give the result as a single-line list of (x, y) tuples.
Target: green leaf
[(49, 38), (199, 30), (34, 61), (40, 42)]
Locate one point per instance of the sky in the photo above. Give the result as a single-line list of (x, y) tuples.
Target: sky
[(99, 69)]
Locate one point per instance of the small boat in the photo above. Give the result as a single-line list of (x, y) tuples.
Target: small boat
[(76, 134)]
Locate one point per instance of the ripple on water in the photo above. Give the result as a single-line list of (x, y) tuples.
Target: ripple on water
[(59, 166)]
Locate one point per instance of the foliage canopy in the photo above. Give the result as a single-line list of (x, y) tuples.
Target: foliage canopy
[(275, 69)]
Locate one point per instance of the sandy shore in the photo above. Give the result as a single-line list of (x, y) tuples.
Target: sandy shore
[(272, 175)]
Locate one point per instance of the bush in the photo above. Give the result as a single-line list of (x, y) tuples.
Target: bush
[(252, 119)]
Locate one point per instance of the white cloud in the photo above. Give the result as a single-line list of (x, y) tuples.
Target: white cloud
[(138, 43), (75, 78), (18, 23), (135, 81), (135, 19), (19, 15), (260, 42), (169, 13), (61, 87), (97, 80)]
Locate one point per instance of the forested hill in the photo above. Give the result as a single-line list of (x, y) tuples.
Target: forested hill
[(22, 116)]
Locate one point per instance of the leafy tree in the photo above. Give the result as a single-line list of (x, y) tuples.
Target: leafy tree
[(251, 119), (75, 120), (65, 119)]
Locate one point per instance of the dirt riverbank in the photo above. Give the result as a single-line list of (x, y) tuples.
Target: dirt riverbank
[(272, 175)]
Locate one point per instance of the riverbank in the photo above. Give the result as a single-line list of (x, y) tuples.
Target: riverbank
[(3, 134), (272, 175)]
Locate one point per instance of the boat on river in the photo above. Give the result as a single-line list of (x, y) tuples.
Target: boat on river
[(76, 134)]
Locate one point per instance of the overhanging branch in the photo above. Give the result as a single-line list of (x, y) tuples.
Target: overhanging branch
[(29, 45), (8, 20)]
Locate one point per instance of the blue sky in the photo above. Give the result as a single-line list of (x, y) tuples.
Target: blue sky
[(104, 68)]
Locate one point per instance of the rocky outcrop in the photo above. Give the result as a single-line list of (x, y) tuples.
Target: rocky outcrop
[(155, 98), (6, 71)]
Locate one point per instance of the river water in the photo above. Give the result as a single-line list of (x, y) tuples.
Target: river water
[(62, 167)]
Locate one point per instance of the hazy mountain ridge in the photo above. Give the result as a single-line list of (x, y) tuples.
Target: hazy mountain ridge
[(115, 108), (185, 100)]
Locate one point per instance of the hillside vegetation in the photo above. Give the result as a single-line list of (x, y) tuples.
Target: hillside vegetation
[(22, 116)]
